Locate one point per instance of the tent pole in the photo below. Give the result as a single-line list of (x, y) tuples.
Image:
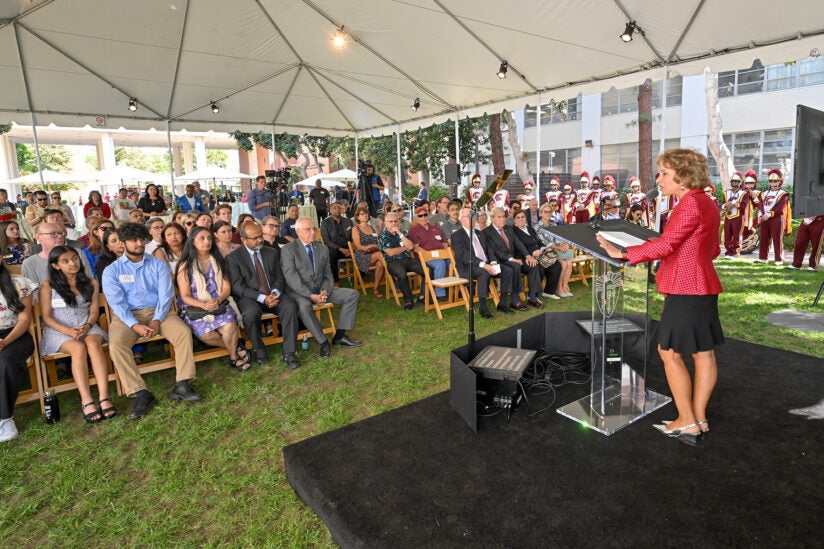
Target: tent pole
[(171, 158), (31, 110), (274, 156), (538, 151), (400, 176)]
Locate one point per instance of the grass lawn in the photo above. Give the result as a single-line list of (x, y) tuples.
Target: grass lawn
[(211, 473)]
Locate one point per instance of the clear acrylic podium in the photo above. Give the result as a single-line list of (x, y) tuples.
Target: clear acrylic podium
[(619, 394)]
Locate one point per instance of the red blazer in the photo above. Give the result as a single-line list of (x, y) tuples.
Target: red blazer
[(107, 212), (686, 248)]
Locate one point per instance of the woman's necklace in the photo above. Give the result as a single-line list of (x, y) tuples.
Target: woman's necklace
[(204, 265)]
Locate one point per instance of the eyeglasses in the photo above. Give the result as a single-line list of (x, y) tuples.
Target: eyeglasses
[(423, 215), (773, 180), (53, 235), (397, 211), (273, 225)]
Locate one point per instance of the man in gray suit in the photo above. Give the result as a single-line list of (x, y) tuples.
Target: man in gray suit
[(309, 282)]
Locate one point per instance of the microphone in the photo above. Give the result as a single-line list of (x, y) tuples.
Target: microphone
[(595, 221), (653, 193)]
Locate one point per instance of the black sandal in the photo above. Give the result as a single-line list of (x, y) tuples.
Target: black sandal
[(111, 411), (90, 417)]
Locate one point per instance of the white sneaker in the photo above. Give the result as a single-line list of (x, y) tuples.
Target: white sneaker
[(727, 257), (544, 294), (8, 430), (779, 263), (791, 267), (759, 261), (567, 294), (811, 269), (552, 296)]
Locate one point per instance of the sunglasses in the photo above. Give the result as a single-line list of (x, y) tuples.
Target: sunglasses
[(42, 199), (189, 223), (423, 215), (774, 180)]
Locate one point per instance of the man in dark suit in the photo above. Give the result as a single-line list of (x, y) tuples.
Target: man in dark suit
[(309, 282), (508, 248), (336, 232), (258, 286), (483, 261)]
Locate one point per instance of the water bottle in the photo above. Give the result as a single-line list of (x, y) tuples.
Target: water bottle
[(304, 345), (52, 407)]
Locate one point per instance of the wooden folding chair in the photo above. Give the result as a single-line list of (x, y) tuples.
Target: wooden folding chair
[(582, 265), (392, 290), (360, 283), (49, 362), (162, 363), (276, 338), (15, 270), (456, 290), (36, 384)]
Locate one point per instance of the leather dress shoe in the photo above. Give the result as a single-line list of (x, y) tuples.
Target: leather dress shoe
[(261, 357), (506, 310), (143, 402), (485, 313), (291, 362), (519, 307), (325, 350), (346, 342), (537, 303), (184, 391)]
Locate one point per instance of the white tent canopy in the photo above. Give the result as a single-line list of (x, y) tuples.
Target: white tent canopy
[(48, 176), (270, 64), (341, 175), (309, 183), (213, 172), (123, 173)]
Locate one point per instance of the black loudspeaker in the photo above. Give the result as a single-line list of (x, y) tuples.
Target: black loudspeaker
[(452, 174)]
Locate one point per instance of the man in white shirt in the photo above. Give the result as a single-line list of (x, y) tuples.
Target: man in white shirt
[(121, 206)]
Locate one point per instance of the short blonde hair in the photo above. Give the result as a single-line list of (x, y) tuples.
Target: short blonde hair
[(690, 167)]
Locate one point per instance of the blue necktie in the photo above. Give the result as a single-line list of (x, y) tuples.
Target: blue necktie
[(311, 255)]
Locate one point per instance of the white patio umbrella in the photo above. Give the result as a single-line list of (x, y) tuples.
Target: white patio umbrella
[(213, 172), (309, 183), (340, 175), (124, 173), (48, 177)]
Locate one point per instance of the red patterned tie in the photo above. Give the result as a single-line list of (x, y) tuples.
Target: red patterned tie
[(506, 240), (263, 284)]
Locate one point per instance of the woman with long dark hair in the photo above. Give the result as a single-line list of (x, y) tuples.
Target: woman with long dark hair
[(13, 248), (96, 201), (203, 282), (170, 251), (367, 251), (689, 323), (96, 229), (112, 249), (70, 306), (16, 344), (152, 202)]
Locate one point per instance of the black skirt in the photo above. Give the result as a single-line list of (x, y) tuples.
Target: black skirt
[(690, 324)]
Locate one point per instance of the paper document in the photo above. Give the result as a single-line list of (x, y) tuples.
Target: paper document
[(622, 239)]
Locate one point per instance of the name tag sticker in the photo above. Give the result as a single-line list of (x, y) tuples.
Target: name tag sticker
[(58, 302), (437, 237), (126, 278), (436, 254)]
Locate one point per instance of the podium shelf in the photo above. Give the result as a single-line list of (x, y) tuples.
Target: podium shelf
[(614, 326)]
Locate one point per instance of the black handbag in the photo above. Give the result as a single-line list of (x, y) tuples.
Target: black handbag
[(198, 313), (548, 258)]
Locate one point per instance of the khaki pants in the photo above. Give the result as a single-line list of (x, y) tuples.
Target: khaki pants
[(122, 338)]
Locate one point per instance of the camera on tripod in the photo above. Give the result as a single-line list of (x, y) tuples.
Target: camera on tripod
[(362, 165), (277, 178)]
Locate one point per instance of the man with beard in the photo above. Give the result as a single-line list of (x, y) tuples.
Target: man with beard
[(139, 290)]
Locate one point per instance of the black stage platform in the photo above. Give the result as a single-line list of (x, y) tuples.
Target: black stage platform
[(418, 477)]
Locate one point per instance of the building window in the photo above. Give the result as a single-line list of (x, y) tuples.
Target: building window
[(811, 71), (561, 162), (759, 151), (550, 115), (609, 102), (674, 87), (781, 76)]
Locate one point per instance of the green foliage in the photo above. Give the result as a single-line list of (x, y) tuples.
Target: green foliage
[(5, 128), (429, 148), (215, 157), (52, 157), (380, 151)]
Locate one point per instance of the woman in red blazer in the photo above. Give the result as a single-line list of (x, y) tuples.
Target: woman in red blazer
[(96, 201), (689, 324)]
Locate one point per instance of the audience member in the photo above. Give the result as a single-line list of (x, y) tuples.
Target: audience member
[(222, 233), (441, 212), (173, 238), (57, 204), (13, 248), (190, 202), (139, 290), (430, 237), (534, 246), (451, 222), (258, 286), (335, 232), (203, 303), (224, 213), (178, 218), (112, 249), (508, 249), (258, 199), (306, 269), (35, 213), (480, 257), (5, 205), (36, 266), (96, 201), (152, 202), (122, 206), (96, 230), (550, 217), (396, 248), (204, 220), (155, 226), (320, 198), (367, 251), (287, 229), (16, 345), (136, 216), (70, 307), (271, 232)]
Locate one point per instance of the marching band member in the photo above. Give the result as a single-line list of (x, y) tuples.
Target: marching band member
[(597, 192), (474, 192), (809, 232), (567, 202), (554, 190), (635, 196), (528, 195), (584, 203), (774, 217), (733, 216), (751, 205)]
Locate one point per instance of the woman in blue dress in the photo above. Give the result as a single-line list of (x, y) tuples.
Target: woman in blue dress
[(203, 282), (70, 306)]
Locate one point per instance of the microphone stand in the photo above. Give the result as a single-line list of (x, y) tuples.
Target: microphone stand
[(473, 215), (595, 222)]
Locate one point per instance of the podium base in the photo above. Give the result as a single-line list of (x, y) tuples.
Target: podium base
[(617, 405)]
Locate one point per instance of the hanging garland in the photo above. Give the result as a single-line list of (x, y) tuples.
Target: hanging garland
[(5, 128)]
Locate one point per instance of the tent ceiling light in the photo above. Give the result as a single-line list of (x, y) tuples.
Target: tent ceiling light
[(215, 108), (417, 104), (626, 36), (502, 70), (132, 104)]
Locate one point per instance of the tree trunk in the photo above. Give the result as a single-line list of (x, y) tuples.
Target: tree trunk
[(719, 150), (645, 135), (512, 136), (496, 143)]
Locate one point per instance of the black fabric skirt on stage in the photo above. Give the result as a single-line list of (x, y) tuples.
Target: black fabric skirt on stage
[(690, 324)]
